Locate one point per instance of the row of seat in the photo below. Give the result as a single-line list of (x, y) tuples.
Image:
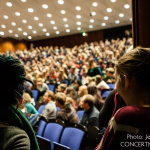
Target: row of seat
[(54, 135)]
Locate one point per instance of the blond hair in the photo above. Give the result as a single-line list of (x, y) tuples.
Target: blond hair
[(26, 97), (60, 97)]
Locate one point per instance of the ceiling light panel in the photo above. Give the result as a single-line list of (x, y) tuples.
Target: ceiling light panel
[(3, 26), (78, 23), (17, 13), (78, 16), (49, 15), (66, 25), (10, 31), (31, 10), (61, 2), (36, 18), (78, 8), (9, 4), (13, 24), (109, 10), (52, 22), (5, 17), (94, 4), (63, 12), (45, 6), (126, 6), (121, 15), (47, 34), (65, 19), (24, 21), (78, 28)]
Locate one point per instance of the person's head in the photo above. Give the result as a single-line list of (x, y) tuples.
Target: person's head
[(60, 99), (91, 63), (93, 90), (61, 87), (39, 82), (12, 78), (26, 97), (87, 102), (98, 79), (132, 74), (68, 90), (69, 100), (72, 70), (48, 96), (82, 90)]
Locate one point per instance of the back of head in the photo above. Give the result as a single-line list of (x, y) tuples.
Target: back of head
[(136, 66), (98, 79), (12, 77), (60, 97), (26, 97)]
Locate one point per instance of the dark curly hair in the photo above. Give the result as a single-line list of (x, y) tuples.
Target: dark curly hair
[(12, 79)]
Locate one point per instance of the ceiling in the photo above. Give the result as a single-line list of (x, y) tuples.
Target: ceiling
[(55, 24)]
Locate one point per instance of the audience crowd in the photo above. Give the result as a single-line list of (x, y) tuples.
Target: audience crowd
[(79, 76)]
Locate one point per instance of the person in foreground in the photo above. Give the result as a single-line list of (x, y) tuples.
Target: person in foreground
[(130, 125), (16, 132)]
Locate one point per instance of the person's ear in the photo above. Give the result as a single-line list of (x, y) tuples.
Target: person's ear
[(126, 79)]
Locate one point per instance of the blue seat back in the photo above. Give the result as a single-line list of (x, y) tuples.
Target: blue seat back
[(105, 94), (51, 88), (41, 108), (53, 131), (41, 127), (35, 95), (67, 82), (111, 85), (72, 137), (80, 114), (57, 109)]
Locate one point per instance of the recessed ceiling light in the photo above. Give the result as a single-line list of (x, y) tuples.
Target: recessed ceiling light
[(3, 26), (13, 24), (41, 24), (78, 8), (117, 21), (19, 29), (67, 30), (10, 31), (31, 10), (2, 33), (65, 19), (25, 33), (109, 10), (17, 13), (52, 22), (34, 32), (5, 17), (16, 35), (45, 6), (78, 28), (92, 20), (130, 19), (90, 26), (66, 25), (94, 4), (36, 18), (30, 37), (55, 28), (126, 6), (93, 13), (24, 21), (121, 15), (103, 24), (47, 34), (78, 23), (24, 1), (78, 16), (113, 1), (9, 4), (29, 27), (49, 15), (57, 32), (61, 2), (62, 11), (44, 30), (106, 17)]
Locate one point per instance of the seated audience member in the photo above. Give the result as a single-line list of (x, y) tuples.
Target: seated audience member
[(93, 90), (132, 84), (61, 88), (100, 83), (93, 70), (15, 130), (29, 106), (91, 114), (72, 76), (50, 108), (70, 101), (42, 88), (66, 113), (60, 79), (49, 80), (109, 76)]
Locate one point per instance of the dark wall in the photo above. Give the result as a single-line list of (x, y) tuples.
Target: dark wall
[(118, 32), (71, 40)]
